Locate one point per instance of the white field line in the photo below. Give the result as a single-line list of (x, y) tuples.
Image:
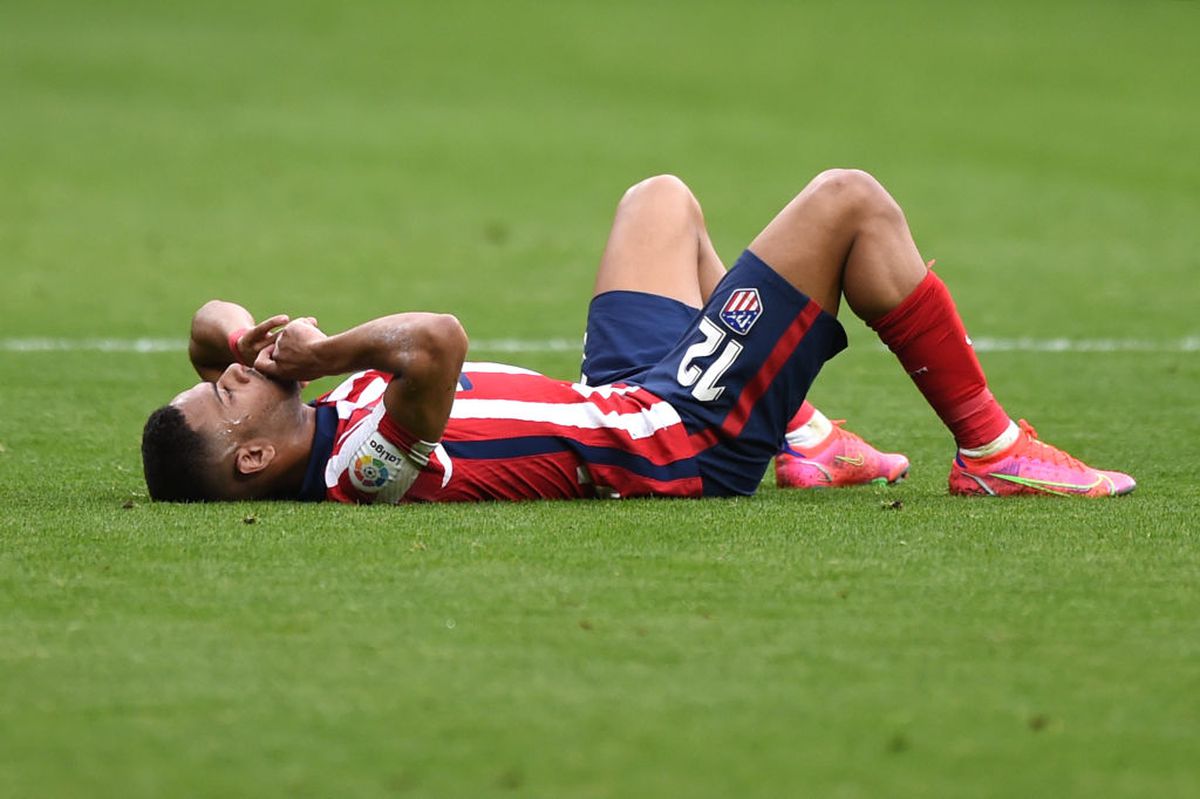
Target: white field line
[(986, 344), (518, 346)]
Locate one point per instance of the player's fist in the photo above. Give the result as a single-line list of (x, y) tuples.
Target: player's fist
[(293, 353)]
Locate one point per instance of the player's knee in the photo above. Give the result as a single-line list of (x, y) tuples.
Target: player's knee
[(663, 194), (856, 192)]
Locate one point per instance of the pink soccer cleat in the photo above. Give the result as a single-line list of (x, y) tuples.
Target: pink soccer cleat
[(842, 459), (1032, 467)]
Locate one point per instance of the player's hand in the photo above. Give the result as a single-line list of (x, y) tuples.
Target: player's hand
[(256, 339), (292, 355)]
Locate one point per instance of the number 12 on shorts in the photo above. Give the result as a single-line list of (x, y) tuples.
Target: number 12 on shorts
[(704, 381)]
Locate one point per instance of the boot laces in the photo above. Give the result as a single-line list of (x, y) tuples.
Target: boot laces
[(842, 432), (1048, 452)]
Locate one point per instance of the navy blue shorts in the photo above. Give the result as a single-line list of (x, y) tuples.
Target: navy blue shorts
[(736, 370)]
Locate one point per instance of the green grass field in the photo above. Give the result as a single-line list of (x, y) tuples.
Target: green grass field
[(467, 158)]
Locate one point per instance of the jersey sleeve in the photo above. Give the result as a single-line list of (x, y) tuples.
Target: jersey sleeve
[(375, 460)]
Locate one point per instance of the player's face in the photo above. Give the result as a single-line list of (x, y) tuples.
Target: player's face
[(243, 402)]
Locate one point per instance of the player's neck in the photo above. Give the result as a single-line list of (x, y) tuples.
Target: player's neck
[(292, 452)]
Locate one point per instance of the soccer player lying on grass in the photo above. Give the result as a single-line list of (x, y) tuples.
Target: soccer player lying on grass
[(693, 379)]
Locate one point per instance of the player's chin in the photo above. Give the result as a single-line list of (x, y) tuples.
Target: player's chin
[(288, 388)]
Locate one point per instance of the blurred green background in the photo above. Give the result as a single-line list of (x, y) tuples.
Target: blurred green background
[(467, 155)]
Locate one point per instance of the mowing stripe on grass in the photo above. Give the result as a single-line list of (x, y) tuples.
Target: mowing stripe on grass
[(516, 345), (152, 345)]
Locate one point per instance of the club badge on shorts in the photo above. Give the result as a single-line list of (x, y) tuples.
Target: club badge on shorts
[(741, 310)]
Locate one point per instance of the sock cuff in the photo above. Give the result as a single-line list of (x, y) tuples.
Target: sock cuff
[(900, 319), (802, 416), (812, 433)]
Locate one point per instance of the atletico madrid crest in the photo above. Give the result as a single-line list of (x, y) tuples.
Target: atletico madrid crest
[(741, 310)]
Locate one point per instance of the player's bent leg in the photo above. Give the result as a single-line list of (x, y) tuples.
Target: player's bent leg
[(658, 268), (820, 453), (844, 234), (1032, 467), (658, 244)]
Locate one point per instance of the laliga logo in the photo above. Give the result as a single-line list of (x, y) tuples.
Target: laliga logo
[(371, 472)]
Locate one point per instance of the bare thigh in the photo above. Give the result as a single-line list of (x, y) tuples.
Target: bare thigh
[(659, 245), (844, 234)]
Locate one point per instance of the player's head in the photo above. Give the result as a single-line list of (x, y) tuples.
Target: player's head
[(219, 441)]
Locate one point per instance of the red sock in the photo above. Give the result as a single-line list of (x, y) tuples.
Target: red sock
[(802, 416), (927, 335)]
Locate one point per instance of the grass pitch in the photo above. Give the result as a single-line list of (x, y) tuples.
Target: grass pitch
[(353, 161)]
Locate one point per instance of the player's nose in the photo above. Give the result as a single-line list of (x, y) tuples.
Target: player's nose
[(236, 373)]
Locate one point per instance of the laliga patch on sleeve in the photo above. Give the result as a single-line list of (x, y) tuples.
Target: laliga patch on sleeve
[(377, 463), (741, 310)]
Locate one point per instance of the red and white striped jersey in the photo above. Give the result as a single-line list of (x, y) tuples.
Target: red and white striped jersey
[(513, 434)]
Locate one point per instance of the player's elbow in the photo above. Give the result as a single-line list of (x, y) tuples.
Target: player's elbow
[(213, 309), (441, 347), (451, 339)]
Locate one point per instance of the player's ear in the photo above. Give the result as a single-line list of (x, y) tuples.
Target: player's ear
[(254, 456)]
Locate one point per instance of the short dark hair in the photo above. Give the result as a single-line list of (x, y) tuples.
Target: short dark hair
[(175, 459)]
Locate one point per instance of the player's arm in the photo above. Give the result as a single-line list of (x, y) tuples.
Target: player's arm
[(423, 351), (222, 330)]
